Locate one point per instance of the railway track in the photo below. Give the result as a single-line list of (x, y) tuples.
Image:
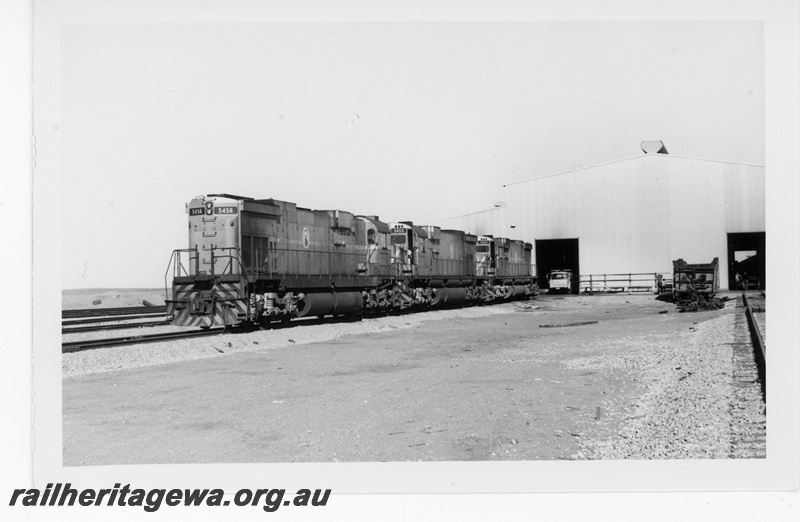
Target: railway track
[(756, 308), (66, 328), (88, 344), (123, 317), (94, 320), (106, 312), (748, 409)]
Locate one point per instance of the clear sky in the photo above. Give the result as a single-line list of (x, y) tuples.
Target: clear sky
[(409, 121)]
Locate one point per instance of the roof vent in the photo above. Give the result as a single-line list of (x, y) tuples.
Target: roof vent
[(654, 147)]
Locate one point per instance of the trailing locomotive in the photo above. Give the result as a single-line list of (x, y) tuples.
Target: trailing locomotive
[(260, 260)]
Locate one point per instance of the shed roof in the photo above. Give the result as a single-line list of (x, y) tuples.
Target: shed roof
[(667, 157)]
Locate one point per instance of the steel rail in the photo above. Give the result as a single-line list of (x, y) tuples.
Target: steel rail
[(77, 329), (77, 346), (100, 312), (751, 320), (69, 322)]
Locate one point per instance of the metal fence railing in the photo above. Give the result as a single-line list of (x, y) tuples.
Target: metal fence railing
[(630, 282)]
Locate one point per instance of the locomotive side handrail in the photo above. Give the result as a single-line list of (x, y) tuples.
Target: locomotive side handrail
[(179, 270), (281, 262), (231, 256), (177, 267)]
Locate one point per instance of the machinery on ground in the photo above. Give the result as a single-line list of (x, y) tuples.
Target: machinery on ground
[(261, 260), (694, 286)]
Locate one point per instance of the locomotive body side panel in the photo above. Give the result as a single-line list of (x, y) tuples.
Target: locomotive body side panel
[(260, 233), (501, 252), (451, 259), (518, 266)]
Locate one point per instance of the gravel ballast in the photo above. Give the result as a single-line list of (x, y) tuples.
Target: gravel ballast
[(685, 410), (135, 356), (625, 377)]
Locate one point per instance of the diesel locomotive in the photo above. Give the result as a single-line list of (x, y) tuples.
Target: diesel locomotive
[(261, 260)]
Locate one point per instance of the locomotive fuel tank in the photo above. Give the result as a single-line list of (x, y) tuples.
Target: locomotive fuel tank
[(329, 303)]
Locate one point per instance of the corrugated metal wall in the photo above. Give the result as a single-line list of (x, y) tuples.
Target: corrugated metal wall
[(634, 215)]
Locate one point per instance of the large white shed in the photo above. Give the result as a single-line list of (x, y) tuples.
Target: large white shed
[(636, 215)]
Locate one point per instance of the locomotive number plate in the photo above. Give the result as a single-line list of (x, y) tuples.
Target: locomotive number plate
[(226, 210), (197, 211), (398, 230)]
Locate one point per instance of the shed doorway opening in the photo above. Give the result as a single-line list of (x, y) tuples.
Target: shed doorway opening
[(747, 260), (557, 254)]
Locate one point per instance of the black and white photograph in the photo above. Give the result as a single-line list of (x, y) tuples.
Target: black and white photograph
[(442, 250)]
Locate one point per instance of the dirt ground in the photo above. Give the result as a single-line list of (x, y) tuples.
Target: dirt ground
[(511, 386), (110, 297)]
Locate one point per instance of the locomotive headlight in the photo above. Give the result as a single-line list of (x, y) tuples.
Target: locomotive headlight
[(209, 207)]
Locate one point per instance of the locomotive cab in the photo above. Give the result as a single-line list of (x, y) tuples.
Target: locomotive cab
[(403, 241), (485, 256), (410, 250), (379, 259)]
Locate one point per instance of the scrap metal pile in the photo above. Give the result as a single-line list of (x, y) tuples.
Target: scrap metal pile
[(695, 286)]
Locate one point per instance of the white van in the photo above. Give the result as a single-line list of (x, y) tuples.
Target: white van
[(560, 281)]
